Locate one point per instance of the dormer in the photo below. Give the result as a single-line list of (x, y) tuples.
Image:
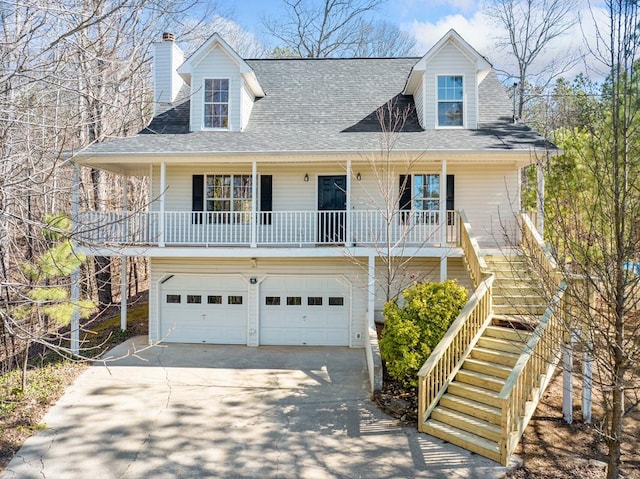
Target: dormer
[(223, 88), (444, 84)]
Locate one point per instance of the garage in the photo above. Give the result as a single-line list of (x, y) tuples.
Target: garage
[(299, 311), (203, 309)]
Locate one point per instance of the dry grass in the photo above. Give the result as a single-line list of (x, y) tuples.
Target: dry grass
[(21, 412)]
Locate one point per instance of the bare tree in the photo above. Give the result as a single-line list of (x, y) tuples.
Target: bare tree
[(384, 39), (531, 27), (328, 28), (592, 221)]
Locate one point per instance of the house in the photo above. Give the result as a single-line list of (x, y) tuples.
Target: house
[(290, 197), (266, 214)]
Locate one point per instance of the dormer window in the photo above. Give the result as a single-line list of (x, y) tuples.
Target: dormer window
[(216, 103), (450, 101)]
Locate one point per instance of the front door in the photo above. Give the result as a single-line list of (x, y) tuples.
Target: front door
[(332, 203)]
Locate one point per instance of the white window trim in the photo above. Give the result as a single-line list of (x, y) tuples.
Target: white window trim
[(211, 128), (464, 102), (415, 197), (231, 199)]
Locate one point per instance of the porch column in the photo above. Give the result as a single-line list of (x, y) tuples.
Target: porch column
[(163, 187), (347, 225), (371, 299), (254, 206), (540, 165), (123, 266), (443, 220), (587, 383), (75, 275)]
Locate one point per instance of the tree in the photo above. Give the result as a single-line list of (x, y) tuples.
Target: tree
[(592, 222), (384, 39), (332, 28), (531, 28)]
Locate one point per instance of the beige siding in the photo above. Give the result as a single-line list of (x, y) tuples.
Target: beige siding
[(418, 99), (489, 196), (216, 64), (451, 61), (353, 273), (246, 105)]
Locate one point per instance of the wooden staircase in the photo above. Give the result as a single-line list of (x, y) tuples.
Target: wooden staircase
[(470, 412)]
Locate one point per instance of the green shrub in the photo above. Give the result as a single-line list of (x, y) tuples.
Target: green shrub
[(412, 330)]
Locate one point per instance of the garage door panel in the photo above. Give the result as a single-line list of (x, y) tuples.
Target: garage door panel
[(204, 309), (304, 311)]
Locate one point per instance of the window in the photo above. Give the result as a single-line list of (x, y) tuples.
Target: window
[(173, 298), (314, 301), (426, 192), (228, 197), (426, 198), (216, 103), (194, 299), (294, 300), (214, 299), (336, 301), (450, 101), (234, 300), (272, 301)]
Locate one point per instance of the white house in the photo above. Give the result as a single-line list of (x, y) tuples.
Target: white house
[(281, 188), (291, 197)]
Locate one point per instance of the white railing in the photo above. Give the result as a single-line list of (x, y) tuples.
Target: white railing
[(273, 228)]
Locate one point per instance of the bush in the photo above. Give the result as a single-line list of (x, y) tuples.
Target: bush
[(412, 330)]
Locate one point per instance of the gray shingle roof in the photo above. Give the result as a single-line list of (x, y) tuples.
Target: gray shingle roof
[(329, 105)]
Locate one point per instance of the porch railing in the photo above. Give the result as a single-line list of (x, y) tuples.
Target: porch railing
[(475, 262), (272, 228)]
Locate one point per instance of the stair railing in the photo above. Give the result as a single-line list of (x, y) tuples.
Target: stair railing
[(536, 250), (445, 360), (531, 374), (475, 261)]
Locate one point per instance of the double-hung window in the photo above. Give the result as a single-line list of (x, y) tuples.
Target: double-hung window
[(228, 198), (216, 103), (450, 101)]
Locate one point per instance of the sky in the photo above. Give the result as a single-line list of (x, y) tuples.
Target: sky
[(429, 20)]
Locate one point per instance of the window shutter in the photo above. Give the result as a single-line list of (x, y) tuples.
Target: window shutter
[(450, 193), (405, 198), (405, 192), (197, 198), (451, 205), (266, 198)]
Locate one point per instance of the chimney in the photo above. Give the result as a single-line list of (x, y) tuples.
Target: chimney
[(166, 59)]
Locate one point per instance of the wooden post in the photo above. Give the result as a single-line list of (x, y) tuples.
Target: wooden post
[(254, 204), (443, 220), (567, 382), (587, 384), (75, 275)]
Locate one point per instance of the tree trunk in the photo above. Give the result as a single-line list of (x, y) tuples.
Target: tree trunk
[(103, 281)]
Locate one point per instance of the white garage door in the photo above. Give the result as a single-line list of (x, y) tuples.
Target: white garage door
[(304, 311), (203, 309)]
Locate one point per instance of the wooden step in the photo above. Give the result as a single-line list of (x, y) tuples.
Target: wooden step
[(519, 299), (476, 409), (480, 379), (500, 344), (467, 423), (511, 334), (511, 309), (464, 439), (475, 393), (486, 367), (493, 356)]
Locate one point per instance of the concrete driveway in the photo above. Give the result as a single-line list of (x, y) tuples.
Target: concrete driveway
[(200, 411)]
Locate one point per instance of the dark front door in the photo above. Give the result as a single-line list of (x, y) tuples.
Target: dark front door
[(332, 203)]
